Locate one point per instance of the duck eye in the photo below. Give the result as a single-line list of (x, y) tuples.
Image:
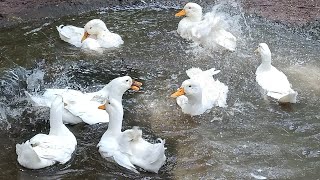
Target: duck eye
[(90, 27), (127, 80), (189, 85), (109, 103), (189, 7)]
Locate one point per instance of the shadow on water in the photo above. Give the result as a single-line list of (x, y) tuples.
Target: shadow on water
[(251, 138)]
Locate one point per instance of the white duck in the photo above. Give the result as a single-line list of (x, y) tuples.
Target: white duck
[(94, 35), (128, 148), (82, 107), (273, 82), (207, 31), (45, 150), (201, 92)]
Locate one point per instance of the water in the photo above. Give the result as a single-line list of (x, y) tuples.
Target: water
[(250, 139)]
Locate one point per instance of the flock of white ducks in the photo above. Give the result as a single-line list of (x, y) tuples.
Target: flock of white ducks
[(199, 93)]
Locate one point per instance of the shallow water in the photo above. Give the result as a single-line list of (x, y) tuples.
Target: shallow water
[(251, 138)]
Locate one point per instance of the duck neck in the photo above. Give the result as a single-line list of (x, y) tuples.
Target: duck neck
[(56, 124), (266, 61), (104, 92), (109, 91), (195, 18), (115, 122)]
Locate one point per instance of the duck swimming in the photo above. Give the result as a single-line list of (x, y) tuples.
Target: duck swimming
[(207, 30), (273, 82), (128, 148), (82, 107), (201, 92), (48, 149), (94, 36)]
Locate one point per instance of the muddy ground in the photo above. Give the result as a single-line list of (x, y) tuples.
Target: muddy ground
[(292, 12)]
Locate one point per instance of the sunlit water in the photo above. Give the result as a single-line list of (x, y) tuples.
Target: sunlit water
[(251, 138)]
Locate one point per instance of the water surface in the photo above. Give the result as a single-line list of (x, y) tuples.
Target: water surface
[(251, 138)]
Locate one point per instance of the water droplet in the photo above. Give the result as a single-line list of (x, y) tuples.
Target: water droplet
[(306, 152)]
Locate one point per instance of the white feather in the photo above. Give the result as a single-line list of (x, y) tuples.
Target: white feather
[(208, 30)]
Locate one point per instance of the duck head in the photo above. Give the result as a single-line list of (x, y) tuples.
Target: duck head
[(118, 86), (265, 52), (124, 83), (191, 10), (189, 88), (94, 27)]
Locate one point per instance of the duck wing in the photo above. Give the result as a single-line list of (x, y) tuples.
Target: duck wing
[(110, 147), (88, 111), (274, 82), (214, 91), (211, 30), (50, 147)]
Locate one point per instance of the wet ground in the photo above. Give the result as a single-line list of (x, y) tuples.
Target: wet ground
[(250, 139)]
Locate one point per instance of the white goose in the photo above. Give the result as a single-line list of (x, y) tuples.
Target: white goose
[(45, 150), (82, 107), (273, 82), (207, 31), (94, 36), (128, 148), (201, 92)]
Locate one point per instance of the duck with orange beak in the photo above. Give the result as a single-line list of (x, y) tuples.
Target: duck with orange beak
[(201, 92), (128, 148), (209, 31), (94, 36), (82, 107)]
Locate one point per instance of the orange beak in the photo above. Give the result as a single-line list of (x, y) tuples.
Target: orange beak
[(178, 93), (136, 85), (85, 36), (181, 13), (102, 107)]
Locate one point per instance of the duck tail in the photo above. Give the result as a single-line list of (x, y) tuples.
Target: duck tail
[(193, 72), (162, 141), (63, 32), (26, 155), (159, 149), (59, 27), (212, 71), (289, 98), (158, 157)]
